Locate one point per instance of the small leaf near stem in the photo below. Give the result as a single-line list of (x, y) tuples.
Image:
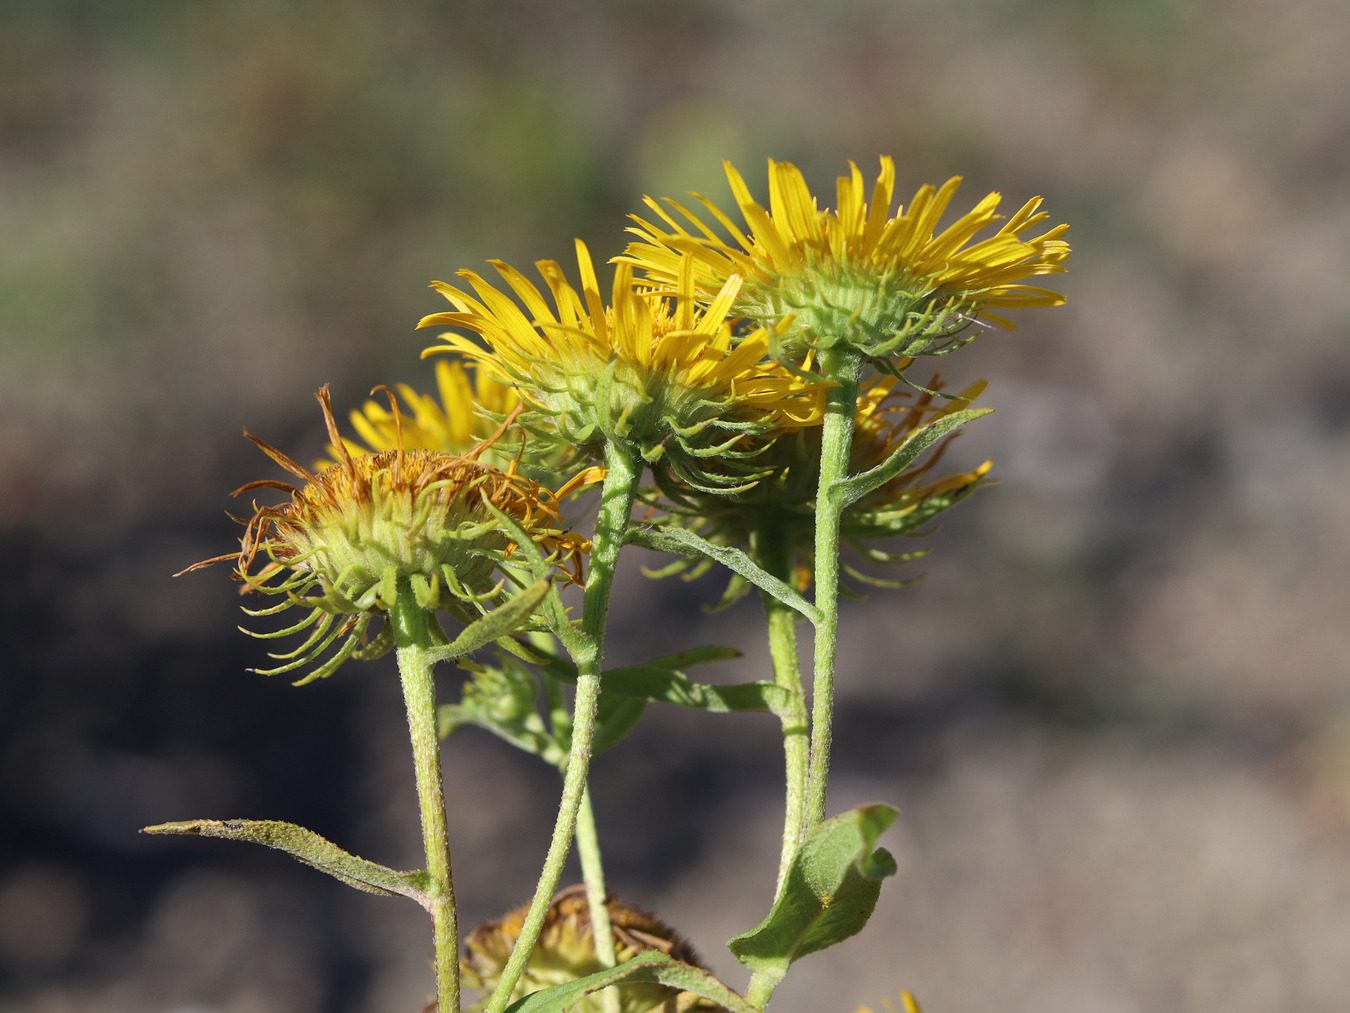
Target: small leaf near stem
[(850, 490), (414, 643), (502, 621), (829, 895), (624, 472)]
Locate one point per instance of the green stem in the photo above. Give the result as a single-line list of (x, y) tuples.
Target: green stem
[(413, 636), (844, 367), (771, 550), (593, 875), (623, 473), (762, 984)]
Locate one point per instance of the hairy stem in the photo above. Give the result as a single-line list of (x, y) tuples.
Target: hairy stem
[(771, 550), (623, 473), (761, 987), (593, 875), (413, 636), (844, 367)]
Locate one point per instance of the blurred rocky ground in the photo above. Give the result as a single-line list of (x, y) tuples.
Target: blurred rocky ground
[(1116, 715)]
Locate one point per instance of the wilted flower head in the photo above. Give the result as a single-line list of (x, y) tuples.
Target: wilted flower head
[(369, 525), (884, 285), (566, 951), (655, 371)]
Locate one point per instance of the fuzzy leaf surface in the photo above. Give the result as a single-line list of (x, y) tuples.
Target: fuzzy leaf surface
[(852, 489), (310, 848), (502, 621), (667, 685), (830, 892), (684, 542), (626, 691)]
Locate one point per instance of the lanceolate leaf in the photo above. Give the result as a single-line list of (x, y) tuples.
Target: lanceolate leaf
[(662, 681), (685, 543), (615, 717), (850, 490), (666, 685), (552, 609), (311, 849), (500, 622), (828, 895), (652, 966)]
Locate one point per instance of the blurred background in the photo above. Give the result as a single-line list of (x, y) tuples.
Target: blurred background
[(1116, 714)]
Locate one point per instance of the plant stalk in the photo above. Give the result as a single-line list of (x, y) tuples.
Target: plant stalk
[(413, 636), (761, 987), (771, 550), (593, 875), (843, 366), (623, 473)]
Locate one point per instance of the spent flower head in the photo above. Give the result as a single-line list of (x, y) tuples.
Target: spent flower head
[(885, 285), (566, 951), (356, 531), (658, 372)]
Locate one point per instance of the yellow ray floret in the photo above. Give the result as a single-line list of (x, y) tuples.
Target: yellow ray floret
[(468, 412), (656, 369), (793, 253)]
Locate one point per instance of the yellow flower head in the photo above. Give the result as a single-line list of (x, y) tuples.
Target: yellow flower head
[(360, 528), (885, 285), (469, 411), (658, 372), (784, 500), (566, 951)]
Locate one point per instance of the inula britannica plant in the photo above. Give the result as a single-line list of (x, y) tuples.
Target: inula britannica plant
[(755, 386)]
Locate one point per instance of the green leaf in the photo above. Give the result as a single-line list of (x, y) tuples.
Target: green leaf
[(615, 717), (451, 717), (625, 691), (310, 848), (561, 668), (653, 966), (503, 699), (554, 613), (685, 542), (500, 622), (694, 656), (852, 489), (652, 682), (830, 891), (661, 680)]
